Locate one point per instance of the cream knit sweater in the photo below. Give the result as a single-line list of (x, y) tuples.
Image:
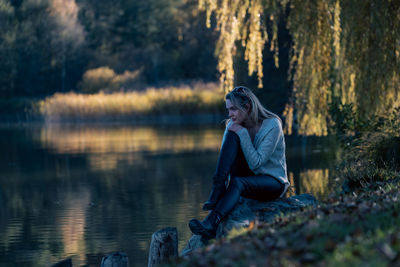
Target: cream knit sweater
[(266, 155)]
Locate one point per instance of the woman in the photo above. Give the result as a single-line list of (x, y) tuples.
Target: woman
[(252, 154)]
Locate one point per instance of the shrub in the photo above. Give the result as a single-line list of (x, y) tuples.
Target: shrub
[(98, 79), (105, 79), (374, 155)]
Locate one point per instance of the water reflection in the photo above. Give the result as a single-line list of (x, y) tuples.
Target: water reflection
[(83, 192), (315, 182), (106, 147), (72, 224)]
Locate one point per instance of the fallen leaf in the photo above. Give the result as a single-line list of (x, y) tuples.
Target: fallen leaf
[(388, 251)]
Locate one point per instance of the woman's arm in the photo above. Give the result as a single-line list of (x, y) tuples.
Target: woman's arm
[(227, 128), (258, 157)]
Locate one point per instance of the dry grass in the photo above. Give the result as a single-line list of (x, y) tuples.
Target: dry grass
[(199, 99)]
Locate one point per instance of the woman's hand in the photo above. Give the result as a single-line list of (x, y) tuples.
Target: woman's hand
[(235, 127)]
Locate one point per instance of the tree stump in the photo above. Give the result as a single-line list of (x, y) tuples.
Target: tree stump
[(64, 263), (116, 259), (163, 246)]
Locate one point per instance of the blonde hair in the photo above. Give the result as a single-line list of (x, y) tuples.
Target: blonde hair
[(245, 100)]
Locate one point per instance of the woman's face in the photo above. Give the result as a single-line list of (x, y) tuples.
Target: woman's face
[(236, 115)]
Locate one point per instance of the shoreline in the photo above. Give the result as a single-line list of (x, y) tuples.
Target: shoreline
[(169, 119), (356, 228), (356, 225)]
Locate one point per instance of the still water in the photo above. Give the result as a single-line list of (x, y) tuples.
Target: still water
[(83, 192)]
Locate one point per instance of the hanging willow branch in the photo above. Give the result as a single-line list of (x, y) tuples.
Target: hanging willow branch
[(342, 49), (243, 22)]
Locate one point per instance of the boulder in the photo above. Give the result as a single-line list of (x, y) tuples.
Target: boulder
[(248, 210)]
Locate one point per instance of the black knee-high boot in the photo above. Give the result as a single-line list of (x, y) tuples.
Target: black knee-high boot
[(217, 192), (208, 227)]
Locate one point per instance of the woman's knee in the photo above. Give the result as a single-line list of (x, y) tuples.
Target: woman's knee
[(236, 183), (231, 135)]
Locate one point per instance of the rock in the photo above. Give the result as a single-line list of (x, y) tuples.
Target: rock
[(248, 210), (195, 242)]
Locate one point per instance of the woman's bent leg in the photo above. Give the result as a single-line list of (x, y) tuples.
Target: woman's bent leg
[(227, 156), (230, 161), (226, 160), (256, 187)]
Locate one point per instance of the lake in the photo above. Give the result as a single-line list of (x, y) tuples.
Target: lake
[(86, 191)]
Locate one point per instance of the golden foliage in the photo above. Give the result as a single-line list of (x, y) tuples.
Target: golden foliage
[(239, 21), (172, 100), (349, 50), (105, 78)]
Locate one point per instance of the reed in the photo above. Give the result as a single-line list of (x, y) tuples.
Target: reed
[(204, 98)]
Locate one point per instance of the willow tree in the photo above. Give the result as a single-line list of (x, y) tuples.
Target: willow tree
[(345, 51)]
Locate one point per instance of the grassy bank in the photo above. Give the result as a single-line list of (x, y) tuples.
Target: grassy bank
[(184, 100), (173, 103), (357, 225), (347, 230)]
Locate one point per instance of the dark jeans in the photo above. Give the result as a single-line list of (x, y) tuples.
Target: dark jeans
[(243, 181)]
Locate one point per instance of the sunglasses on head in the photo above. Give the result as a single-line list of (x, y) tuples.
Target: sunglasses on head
[(238, 89)]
